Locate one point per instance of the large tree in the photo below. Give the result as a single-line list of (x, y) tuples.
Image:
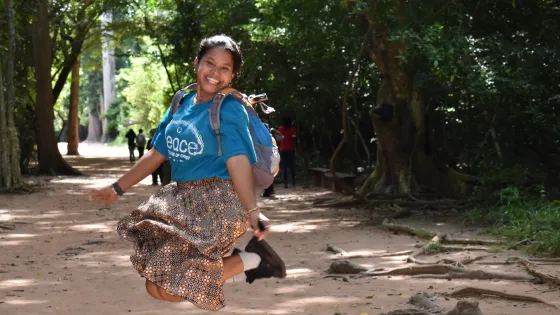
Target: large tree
[(73, 21), (109, 70), (405, 162), (10, 174), (49, 158)]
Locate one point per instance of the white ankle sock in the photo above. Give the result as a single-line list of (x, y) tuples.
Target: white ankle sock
[(250, 260)]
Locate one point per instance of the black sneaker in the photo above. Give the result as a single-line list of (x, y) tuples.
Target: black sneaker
[(271, 264)]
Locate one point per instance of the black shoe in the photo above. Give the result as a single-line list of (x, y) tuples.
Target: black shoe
[(271, 264), (155, 184)]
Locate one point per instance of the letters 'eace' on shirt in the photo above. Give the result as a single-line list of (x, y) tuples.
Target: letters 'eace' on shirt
[(189, 143)]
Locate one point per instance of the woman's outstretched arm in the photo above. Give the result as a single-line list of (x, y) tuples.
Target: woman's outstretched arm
[(144, 167)]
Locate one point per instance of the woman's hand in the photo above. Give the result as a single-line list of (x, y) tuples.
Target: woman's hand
[(256, 217), (105, 194)]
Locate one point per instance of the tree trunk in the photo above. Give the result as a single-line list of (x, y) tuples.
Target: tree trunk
[(403, 166), (95, 127), (73, 119), (4, 143), (10, 173), (109, 71), (50, 160)]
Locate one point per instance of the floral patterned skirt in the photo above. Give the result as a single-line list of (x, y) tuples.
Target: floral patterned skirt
[(180, 235)]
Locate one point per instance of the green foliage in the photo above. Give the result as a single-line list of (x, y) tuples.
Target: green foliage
[(521, 218), (118, 115), (145, 84)]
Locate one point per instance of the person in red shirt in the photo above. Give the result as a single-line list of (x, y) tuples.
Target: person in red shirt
[(288, 150)]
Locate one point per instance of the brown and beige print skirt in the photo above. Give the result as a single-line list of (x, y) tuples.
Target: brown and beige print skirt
[(180, 235)]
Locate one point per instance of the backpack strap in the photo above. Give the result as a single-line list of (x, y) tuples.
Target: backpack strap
[(215, 111), (179, 97)]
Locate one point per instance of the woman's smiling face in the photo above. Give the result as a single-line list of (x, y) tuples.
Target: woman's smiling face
[(214, 71)]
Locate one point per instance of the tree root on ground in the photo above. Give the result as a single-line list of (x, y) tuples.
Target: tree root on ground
[(408, 311), (446, 272), (21, 190), (345, 267), (514, 260), (7, 227), (399, 228), (407, 200), (532, 269), (477, 275), (458, 263), (472, 291), (334, 249), (338, 202), (464, 307), (427, 248), (345, 255), (393, 226), (444, 248), (355, 256), (468, 241), (435, 248), (546, 260)]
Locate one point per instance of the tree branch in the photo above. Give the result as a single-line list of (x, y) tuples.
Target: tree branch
[(161, 54), (349, 87)]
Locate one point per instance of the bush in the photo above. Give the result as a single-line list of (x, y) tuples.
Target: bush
[(521, 218)]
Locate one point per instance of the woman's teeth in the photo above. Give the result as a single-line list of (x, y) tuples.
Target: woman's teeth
[(213, 81)]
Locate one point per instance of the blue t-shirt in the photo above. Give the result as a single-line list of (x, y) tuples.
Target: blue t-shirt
[(189, 143)]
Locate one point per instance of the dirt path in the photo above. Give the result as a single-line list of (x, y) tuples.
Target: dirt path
[(60, 254)]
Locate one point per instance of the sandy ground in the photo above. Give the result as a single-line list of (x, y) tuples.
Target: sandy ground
[(62, 255)]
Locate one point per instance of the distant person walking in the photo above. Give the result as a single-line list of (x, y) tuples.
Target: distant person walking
[(131, 136), (140, 143), (159, 171), (288, 150)]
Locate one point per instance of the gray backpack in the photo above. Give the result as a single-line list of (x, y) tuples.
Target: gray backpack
[(268, 158)]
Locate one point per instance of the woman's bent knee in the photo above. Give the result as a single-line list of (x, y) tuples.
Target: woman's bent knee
[(159, 293), (151, 288), (168, 297)]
